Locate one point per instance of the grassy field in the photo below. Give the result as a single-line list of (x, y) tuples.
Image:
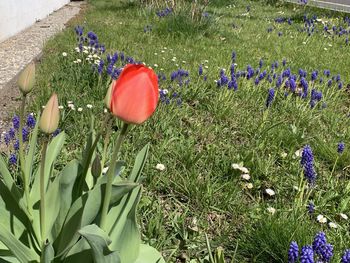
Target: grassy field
[(199, 129)]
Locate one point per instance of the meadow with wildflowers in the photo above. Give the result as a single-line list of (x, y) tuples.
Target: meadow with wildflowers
[(249, 143)]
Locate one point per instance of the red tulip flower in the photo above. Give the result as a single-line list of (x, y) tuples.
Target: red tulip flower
[(135, 94)]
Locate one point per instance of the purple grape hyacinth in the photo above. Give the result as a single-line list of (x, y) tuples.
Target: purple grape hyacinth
[(307, 161), (293, 253), (346, 257), (270, 97), (341, 147), (307, 255)]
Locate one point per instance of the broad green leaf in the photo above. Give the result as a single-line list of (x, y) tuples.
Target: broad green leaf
[(121, 220), (84, 211), (118, 170), (53, 150), (12, 217), (52, 205), (48, 254), (67, 179), (20, 251), (6, 177), (80, 252), (99, 241), (123, 229), (29, 159), (149, 254), (140, 161)]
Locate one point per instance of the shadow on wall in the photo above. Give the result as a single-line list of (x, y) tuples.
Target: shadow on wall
[(17, 15)]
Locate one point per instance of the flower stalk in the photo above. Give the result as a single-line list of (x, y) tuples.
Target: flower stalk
[(42, 193), (110, 176), (25, 178)]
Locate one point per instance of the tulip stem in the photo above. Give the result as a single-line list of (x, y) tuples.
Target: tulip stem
[(105, 143), (42, 192), (25, 178), (110, 177)]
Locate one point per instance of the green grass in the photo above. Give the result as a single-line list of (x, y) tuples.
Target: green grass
[(199, 192)]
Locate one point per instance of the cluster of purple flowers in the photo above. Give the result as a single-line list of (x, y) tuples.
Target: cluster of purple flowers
[(303, 2), (11, 137), (319, 251), (181, 76), (307, 161), (281, 20), (165, 12), (108, 65), (90, 39), (168, 96), (270, 97)]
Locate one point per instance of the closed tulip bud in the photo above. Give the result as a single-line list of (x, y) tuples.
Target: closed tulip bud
[(26, 79), (135, 94), (108, 95), (50, 116)]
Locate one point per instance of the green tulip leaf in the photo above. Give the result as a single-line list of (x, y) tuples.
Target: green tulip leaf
[(12, 216), (67, 179), (99, 241), (29, 159), (149, 254), (48, 253), (123, 229), (52, 205), (53, 150), (124, 232), (139, 164), (20, 251), (80, 252), (84, 211), (10, 184)]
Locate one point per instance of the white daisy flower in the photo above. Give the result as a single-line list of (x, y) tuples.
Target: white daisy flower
[(60, 107), (80, 109), (344, 216), (85, 52), (270, 192), (321, 219), (78, 60), (332, 225), (271, 210), (155, 65), (64, 54), (160, 167), (240, 167), (245, 176), (248, 186), (89, 106)]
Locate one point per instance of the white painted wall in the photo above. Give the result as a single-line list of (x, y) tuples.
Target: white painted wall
[(16, 15)]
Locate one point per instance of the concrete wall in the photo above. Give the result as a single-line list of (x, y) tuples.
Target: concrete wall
[(16, 15)]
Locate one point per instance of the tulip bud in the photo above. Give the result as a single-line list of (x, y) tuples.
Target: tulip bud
[(108, 95), (50, 116), (26, 79)]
